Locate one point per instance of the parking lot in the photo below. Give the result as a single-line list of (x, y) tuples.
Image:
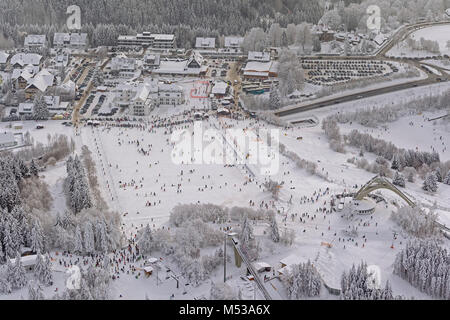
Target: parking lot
[(329, 72)]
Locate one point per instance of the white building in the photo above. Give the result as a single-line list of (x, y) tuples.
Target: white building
[(170, 94), (3, 59), (151, 61), (70, 40), (205, 43), (26, 108), (191, 67), (124, 67), (33, 41), (233, 42), (20, 60), (147, 39), (258, 56), (7, 140)]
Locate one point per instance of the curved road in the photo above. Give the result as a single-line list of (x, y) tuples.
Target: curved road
[(399, 36)]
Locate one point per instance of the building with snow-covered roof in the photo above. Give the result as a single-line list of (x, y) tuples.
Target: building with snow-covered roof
[(28, 262), (123, 67), (151, 61), (233, 42), (26, 108), (147, 39), (170, 95), (3, 59), (7, 140), (220, 89), (39, 83), (33, 41), (258, 56), (260, 70), (70, 40), (190, 67), (205, 43), (20, 60)]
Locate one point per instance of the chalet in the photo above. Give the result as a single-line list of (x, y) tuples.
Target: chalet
[(260, 70), (7, 140), (3, 60), (220, 89), (323, 32), (70, 40), (28, 262), (39, 84), (185, 67), (205, 43), (151, 61), (26, 108), (35, 41), (258, 56), (20, 60), (170, 94), (233, 42), (124, 67)]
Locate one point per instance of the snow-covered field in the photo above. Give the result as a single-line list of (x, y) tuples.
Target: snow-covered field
[(435, 33), (139, 179)]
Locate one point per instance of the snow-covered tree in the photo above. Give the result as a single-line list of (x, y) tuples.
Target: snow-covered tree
[(35, 291), (43, 270), (222, 291), (446, 180), (16, 273), (274, 232), (274, 98), (430, 183), (78, 240), (145, 241), (37, 237), (34, 171), (417, 221), (399, 180), (355, 286), (426, 266), (40, 110), (89, 244), (303, 281)]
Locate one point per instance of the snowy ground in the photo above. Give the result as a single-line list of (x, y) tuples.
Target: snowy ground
[(434, 33), (135, 169)]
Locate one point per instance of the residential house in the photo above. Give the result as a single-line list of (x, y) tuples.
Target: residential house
[(205, 43), (70, 40), (35, 41)]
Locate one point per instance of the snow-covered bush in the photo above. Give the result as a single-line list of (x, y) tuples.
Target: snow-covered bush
[(430, 182), (206, 212), (222, 291), (399, 180), (416, 221)]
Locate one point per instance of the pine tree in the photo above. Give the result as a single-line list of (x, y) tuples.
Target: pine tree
[(89, 245), (399, 180), (395, 163), (430, 183), (274, 98), (33, 169), (145, 241), (446, 180), (274, 232), (37, 237), (16, 273), (40, 110), (35, 292), (42, 270), (78, 240)]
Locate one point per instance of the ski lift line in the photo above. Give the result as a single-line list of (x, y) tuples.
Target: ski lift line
[(253, 272)]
